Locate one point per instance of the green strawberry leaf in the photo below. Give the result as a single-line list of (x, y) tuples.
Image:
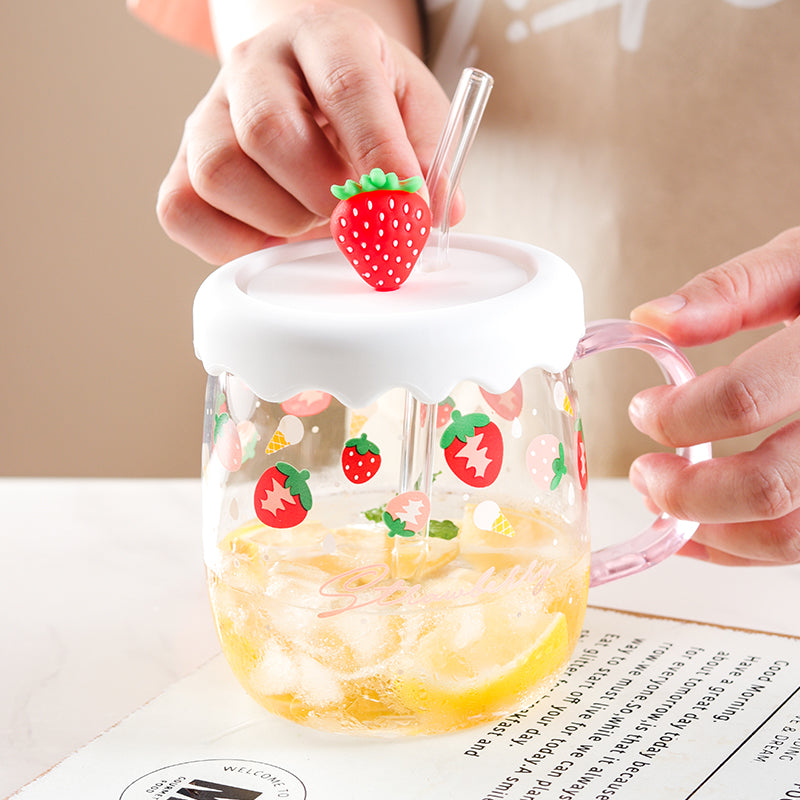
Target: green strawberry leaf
[(559, 467), (376, 180), (442, 529), (296, 483), (363, 445), (219, 422), (462, 427), (396, 526)]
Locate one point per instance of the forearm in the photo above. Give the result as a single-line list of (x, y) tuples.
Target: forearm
[(234, 21)]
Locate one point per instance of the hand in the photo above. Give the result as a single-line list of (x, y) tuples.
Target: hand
[(314, 99), (748, 504)]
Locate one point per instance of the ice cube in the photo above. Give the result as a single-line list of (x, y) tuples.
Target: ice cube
[(465, 626), (317, 684), (370, 637), (275, 672)]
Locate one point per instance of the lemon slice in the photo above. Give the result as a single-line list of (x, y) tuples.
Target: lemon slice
[(497, 687)]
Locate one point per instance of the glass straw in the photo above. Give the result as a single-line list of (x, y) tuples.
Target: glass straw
[(419, 438), (444, 175)]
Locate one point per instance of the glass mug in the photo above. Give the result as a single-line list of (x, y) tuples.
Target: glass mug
[(395, 484)]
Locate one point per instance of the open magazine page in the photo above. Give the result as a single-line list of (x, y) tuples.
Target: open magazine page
[(647, 707)]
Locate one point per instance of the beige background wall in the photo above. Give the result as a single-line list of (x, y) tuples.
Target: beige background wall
[(98, 372)]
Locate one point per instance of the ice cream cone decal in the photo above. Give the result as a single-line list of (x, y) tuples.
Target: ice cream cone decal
[(357, 422), (488, 517), (561, 399), (290, 431)]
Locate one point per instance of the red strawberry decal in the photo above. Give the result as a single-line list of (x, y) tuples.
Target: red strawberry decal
[(580, 450), (443, 411), (306, 404), (473, 448), (381, 226), (282, 498), (361, 459), (508, 404)]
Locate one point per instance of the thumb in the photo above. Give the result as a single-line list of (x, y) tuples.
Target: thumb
[(759, 288)]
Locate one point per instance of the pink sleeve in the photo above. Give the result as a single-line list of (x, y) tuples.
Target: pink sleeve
[(185, 21)]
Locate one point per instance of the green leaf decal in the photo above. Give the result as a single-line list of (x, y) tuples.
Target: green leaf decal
[(375, 514), (442, 529)]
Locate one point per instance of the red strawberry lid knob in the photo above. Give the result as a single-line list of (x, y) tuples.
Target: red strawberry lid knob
[(381, 226)]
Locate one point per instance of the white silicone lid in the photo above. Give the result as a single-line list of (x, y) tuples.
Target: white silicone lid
[(298, 317)]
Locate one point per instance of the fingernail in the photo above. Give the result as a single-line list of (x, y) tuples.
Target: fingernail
[(665, 305), (636, 411), (637, 479)]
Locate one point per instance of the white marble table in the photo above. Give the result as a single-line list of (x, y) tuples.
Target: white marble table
[(103, 603)]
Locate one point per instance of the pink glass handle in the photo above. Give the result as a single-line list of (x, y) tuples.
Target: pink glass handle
[(667, 534)]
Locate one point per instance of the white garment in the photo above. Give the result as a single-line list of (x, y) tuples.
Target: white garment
[(642, 140)]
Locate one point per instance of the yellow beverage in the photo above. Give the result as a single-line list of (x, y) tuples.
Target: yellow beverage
[(350, 630)]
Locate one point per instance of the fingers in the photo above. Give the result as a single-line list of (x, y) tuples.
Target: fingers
[(759, 288), (382, 105), (314, 100), (751, 486), (749, 512), (763, 543), (191, 222), (216, 163), (275, 124), (759, 388), (357, 89)]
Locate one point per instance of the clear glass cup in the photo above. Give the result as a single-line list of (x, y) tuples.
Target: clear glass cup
[(418, 562)]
